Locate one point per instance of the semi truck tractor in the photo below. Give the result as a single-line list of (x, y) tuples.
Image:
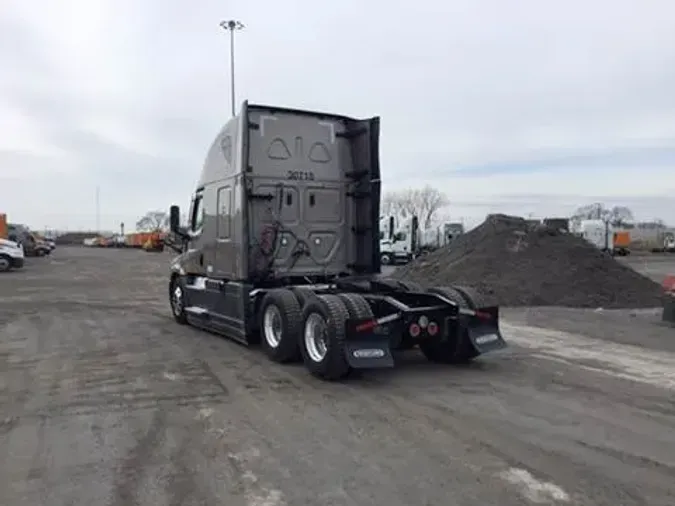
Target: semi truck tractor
[(282, 249), (11, 255), (400, 245)]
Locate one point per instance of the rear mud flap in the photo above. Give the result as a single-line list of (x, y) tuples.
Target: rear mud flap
[(369, 354), (368, 344), (483, 332)]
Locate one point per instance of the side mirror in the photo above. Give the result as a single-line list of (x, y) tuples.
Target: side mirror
[(174, 219)]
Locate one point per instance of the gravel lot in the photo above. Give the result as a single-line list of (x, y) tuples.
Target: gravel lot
[(104, 400), (655, 266)]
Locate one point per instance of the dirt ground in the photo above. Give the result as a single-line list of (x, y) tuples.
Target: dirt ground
[(105, 400), (655, 266)]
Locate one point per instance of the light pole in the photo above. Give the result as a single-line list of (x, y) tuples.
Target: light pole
[(98, 210), (231, 25)]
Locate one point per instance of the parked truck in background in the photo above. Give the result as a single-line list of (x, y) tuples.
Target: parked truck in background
[(440, 236), (11, 255), (4, 231), (11, 252), (621, 240), (402, 242), (283, 249), (604, 236), (32, 246)]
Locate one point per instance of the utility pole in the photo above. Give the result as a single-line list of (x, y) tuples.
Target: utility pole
[(232, 25), (98, 210)]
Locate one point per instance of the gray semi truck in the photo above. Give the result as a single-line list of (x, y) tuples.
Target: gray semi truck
[(282, 249)]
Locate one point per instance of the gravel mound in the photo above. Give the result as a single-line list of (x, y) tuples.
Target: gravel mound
[(515, 263)]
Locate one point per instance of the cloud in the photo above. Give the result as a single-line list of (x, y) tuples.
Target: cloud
[(521, 106)]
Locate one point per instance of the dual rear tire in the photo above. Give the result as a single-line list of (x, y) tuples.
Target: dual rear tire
[(457, 351), (299, 324)]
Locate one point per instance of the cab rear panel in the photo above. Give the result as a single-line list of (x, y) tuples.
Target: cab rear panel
[(313, 190)]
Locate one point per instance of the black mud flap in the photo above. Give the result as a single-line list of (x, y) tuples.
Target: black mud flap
[(668, 309), (368, 346), (483, 330)]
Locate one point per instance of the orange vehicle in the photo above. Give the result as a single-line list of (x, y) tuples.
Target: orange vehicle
[(155, 242), (137, 239), (622, 242), (3, 226)]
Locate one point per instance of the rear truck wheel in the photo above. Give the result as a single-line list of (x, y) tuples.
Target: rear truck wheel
[(451, 351), (303, 294), (385, 259), (366, 349), (411, 286), (281, 325), (473, 299), (177, 299), (5, 263), (357, 307), (323, 340)]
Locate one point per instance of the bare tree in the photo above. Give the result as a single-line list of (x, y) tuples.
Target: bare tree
[(391, 204), (620, 215), (153, 221), (595, 211), (616, 216), (421, 202)]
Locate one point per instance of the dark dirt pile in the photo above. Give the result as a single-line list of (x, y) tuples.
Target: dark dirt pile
[(514, 263)]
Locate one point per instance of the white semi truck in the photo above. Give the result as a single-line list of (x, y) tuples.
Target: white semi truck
[(399, 240), (11, 255)]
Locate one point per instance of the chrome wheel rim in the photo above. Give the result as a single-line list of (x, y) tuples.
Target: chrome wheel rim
[(272, 326), (177, 300), (315, 337)]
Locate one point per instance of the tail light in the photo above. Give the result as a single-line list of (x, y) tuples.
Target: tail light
[(432, 328), (483, 315), (414, 330)]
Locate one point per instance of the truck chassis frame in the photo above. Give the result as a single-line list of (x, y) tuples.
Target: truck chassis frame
[(365, 319)]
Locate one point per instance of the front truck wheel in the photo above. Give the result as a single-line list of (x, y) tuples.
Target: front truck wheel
[(177, 299), (322, 344), (5, 263), (281, 325), (451, 351)]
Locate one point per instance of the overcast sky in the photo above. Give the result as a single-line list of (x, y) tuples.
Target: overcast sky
[(521, 106)]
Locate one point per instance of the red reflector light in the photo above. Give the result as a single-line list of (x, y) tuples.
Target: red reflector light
[(432, 328), (483, 316), (366, 326), (414, 330)]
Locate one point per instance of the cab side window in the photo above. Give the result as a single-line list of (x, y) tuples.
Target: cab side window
[(197, 218)]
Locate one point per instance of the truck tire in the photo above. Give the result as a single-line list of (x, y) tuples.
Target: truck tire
[(324, 333), (5, 263), (177, 300), (280, 325), (357, 307), (411, 286), (449, 352), (473, 299), (303, 294), (385, 259)]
